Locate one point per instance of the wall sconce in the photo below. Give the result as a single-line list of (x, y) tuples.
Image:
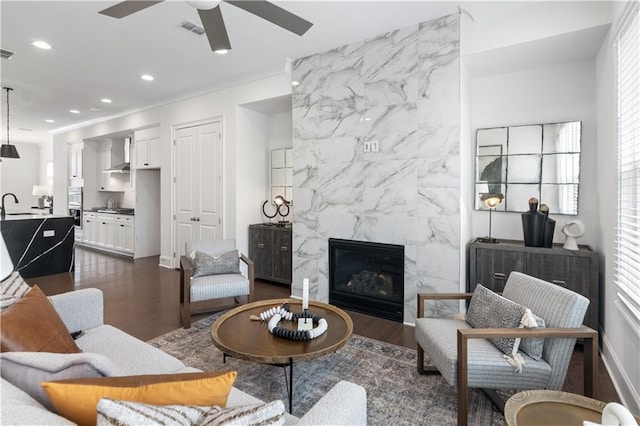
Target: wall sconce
[(491, 201)]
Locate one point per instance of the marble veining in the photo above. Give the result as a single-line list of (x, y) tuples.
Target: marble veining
[(399, 91), (40, 246)]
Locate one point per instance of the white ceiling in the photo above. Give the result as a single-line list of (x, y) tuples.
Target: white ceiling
[(95, 56)]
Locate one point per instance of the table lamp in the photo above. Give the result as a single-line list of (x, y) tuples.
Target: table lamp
[(42, 192), (491, 201)]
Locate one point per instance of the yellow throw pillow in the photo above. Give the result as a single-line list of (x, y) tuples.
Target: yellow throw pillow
[(76, 399)]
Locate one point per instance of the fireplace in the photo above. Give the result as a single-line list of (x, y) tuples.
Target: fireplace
[(367, 277)]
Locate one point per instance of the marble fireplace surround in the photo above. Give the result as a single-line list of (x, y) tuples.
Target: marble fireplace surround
[(399, 90)]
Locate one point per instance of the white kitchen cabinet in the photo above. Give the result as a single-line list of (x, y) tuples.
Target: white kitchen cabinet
[(124, 233), (109, 232), (108, 154), (106, 231), (75, 164), (147, 146), (89, 228)]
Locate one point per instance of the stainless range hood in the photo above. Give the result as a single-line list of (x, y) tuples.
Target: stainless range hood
[(122, 167)]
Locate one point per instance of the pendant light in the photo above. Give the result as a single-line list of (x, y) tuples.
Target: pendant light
[(7, 150)]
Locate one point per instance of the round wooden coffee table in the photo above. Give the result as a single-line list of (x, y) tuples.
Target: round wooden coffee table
[(237, 336), (548, 407)]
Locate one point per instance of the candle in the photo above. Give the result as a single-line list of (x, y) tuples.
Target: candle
[(305, 293)]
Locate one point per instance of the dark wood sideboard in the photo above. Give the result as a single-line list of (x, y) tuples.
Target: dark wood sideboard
[(577, 270), (270, 248)]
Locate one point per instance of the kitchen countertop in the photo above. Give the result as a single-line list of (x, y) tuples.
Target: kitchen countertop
[(95, 210), (25, 216)]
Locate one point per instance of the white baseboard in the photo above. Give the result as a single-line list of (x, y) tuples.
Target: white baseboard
[(166, 262), (621, 381)]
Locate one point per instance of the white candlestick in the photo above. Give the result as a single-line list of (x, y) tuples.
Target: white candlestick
[(305, 293)]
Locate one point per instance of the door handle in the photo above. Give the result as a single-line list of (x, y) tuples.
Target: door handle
[(560, 282), (284, 248), (260, 245), (197, 219), (499, 276)]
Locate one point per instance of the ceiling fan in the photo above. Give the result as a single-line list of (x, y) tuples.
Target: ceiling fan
[(211, 16)]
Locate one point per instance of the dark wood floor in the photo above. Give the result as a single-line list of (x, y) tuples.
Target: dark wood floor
[(141, 298)]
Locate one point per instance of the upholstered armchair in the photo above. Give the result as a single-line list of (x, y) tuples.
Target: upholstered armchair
[(467, 358), (210, 278)]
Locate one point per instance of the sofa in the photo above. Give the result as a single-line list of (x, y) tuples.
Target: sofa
[(82, 311)]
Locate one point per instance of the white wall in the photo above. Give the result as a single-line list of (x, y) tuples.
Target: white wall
[(204, 107), (280, 130), (621, 336), (550, 94), (253, 170), (19, 175), (466, 171)]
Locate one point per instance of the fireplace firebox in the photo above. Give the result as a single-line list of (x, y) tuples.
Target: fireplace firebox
[(367, 277)]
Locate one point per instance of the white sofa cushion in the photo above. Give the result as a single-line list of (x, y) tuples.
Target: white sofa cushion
[(131, 355), (18, 408)]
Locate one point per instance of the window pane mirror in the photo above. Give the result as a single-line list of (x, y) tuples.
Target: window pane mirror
[(541, 160), (282, 173)]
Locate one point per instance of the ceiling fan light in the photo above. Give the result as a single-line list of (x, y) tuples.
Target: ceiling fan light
[(203, 4), (41, 44)]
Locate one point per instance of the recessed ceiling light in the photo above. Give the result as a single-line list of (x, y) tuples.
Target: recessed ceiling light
[(295, 83), (48, 120), (41, 44), (105, 100), (147, 77), (74, 111), (222, 51)]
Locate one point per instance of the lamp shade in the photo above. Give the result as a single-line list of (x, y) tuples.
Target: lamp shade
[(41, 190), (492, 200), (280, 200), (9, 151)]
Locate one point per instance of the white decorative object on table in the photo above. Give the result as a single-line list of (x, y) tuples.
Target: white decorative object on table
[(305, 323), (614, 414), (572, 230)]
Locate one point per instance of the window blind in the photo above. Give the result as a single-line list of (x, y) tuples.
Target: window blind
[(627, 239)]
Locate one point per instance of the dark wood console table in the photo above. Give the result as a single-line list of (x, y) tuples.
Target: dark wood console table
[(270, 248), (577, 270)]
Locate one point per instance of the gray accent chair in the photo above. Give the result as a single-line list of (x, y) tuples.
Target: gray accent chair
[(212, 292), (466, 358)]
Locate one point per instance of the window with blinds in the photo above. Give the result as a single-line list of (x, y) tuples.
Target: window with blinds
[(627, 240)]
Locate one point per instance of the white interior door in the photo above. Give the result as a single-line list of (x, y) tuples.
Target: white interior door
[(198, 183)]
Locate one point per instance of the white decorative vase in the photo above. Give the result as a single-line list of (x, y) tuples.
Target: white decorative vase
[(572, 230)]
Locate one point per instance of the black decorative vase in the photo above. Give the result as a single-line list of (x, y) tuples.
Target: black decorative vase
[(549, 227), (547, 237), (533, 225)]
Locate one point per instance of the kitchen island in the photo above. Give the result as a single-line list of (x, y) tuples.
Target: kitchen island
[(39, 244)]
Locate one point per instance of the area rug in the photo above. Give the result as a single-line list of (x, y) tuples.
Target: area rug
[(396, 393)]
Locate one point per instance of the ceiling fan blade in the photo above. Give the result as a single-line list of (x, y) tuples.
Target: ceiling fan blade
[(214, 28), (274, 14), (126, 8)]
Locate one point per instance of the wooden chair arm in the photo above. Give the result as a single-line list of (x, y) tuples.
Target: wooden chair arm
[(583, 332), (439, 296), (185, 264), (250, 273)]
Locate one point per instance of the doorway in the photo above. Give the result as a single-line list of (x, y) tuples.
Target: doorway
[(198, 184)]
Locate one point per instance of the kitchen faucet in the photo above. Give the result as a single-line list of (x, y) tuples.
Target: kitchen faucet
[(15, 200)]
